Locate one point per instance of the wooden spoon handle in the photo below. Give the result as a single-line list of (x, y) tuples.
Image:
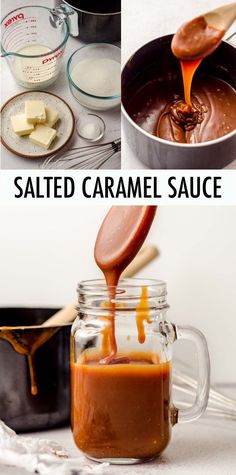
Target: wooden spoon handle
[(222, 17), (146, 255), (65, 315), (69, 313)]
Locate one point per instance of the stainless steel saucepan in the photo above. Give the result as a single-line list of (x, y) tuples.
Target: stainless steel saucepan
[(92, 21), (155, 58)]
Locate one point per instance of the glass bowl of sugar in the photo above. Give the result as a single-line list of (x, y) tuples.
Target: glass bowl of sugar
[(94, 75)]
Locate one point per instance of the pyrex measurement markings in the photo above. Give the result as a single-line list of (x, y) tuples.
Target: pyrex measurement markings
[(14, 32), (20, 16)]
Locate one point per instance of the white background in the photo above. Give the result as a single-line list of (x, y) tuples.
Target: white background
[(45, 251)]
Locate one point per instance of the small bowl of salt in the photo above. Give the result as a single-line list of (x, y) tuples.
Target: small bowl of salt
[(94, 76), (90, 127)]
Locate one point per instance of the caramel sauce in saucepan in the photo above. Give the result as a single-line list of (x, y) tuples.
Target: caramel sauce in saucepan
[(206, 110), (191, 43)]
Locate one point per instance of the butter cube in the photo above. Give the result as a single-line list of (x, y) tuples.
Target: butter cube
[(43, 135), (35, 112), (52, 116), (20, 125)]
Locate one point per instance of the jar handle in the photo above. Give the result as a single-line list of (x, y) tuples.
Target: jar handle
[(203, 381)]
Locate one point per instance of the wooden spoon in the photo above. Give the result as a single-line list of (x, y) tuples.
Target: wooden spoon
[(146, 254), (65, 315), (199, 37), (68, 314), (223, 17)]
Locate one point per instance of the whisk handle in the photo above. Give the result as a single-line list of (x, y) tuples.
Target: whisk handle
[(116, 145)]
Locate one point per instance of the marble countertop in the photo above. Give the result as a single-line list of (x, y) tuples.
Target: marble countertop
[(9, 88), (145, 21), (206, 446)]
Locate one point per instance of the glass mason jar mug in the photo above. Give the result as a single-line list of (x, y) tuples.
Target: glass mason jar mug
[(121, 351)]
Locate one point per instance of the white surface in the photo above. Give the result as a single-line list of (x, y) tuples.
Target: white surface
[(45, 251), (23, 145), (145, 21), (9, 88), (40, 455), (206, 447)]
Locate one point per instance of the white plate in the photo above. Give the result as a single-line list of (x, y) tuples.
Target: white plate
[(21, 145)]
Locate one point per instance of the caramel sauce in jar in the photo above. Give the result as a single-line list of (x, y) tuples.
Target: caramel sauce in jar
[(121, 410)]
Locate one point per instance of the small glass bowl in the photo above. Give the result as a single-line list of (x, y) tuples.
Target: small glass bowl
[(83, 127), (93, 51)]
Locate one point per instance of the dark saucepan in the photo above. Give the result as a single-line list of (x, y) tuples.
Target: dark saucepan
[(50, 407), (95, 21), (155, 60)]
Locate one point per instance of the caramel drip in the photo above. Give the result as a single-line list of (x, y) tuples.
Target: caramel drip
[(185, 114), (119, 239), (188, 69), (109, 332), (26, 341), (181, 118), (32, 372), (187, 117), (105, 336), (142, 315)]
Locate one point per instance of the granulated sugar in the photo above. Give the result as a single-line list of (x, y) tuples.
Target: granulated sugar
[(98, 77)]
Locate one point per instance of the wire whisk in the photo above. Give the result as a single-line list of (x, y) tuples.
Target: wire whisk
[(219, 405), (83, 158)]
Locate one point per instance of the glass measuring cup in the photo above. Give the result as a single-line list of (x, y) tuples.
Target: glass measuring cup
[(33, 43)]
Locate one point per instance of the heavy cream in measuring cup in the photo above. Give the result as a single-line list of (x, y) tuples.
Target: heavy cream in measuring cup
[(35, 72)]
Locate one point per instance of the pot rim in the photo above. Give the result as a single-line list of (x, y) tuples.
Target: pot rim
[(90, 13), (158, 139), (30, 327), (33, 327)]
